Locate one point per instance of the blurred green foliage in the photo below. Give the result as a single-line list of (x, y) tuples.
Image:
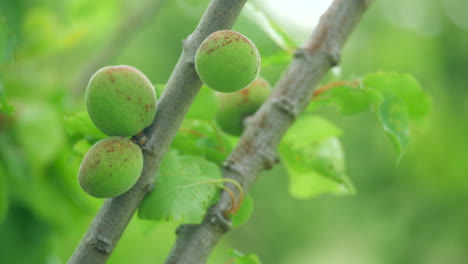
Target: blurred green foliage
[(413, 213)]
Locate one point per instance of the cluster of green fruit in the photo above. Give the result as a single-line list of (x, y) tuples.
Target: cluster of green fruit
[(121, 101), (229, 63)]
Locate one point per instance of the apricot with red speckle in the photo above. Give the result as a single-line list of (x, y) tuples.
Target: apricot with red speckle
[(235, 107), (121, 100), (110, 167), (227, 61)]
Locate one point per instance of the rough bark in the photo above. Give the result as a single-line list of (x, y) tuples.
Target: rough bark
[(256, 150), (110, 222)]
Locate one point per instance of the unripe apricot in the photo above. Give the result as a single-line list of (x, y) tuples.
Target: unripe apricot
[(121, 100), (235, 107), (110, 167), (227, 61)]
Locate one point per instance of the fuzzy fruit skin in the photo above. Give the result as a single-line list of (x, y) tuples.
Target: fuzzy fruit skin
[(227, 61), (110, 167), (235, 107), (120, 100)]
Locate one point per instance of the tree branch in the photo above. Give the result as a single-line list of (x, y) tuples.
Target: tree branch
[(182, 87), (256, 150)]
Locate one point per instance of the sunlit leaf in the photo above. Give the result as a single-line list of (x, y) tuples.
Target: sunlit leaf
[(279, 36), (314, 159), (81, 125), (347, 99), (185, 186), (159, 88), (81, 147), (310, 128), (396, 99), (205, 105), (244, 212), (202, 138), (404, 87), (40, 31), (280, 58), (241, 258), (393, 116)]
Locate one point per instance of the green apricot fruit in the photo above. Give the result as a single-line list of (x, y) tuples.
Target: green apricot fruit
[(227, 61), (235, 107), (110, 167), (121, 100)]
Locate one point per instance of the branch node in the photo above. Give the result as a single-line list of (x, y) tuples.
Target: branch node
[(334, 56), (181, 229), (148, 150), (286, 105), (270, 158), (101, 245), (299, 53), (233, 166), (218, 219), (148, 188)]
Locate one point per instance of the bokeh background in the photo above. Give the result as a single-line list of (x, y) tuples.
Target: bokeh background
[(416, 212)]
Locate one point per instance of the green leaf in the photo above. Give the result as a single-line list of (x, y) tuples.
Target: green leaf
[(39, 132), (159, 88), (310, 128), (241, 258), (40, 191), (396, 98), (393, 115), (81, 125), (7, 42), (81, 147), (314, 159), (244, 213), (205, 105), (3, 194), (202, 138), (4, 106), (353, 97), (277, 35), (404, 87), (279, 58), (347, 99), (185, 186)]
